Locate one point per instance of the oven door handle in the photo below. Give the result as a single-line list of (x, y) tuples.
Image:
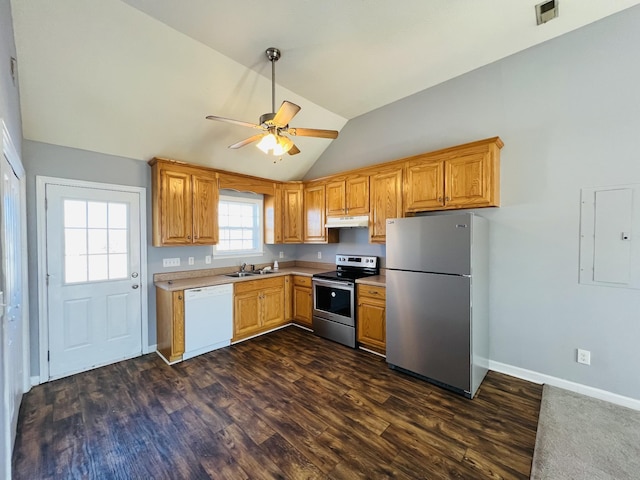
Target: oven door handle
[(333, 284)]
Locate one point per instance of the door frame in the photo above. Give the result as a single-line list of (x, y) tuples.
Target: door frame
[(10, 152), (41, 219)]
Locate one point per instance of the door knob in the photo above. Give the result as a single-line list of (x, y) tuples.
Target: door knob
[(135, 286)]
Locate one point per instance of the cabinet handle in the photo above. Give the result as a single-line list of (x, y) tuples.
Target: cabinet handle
[(440, 199), (179, 297), (446, 199), (188, 237), (195, 237), (373, 292)]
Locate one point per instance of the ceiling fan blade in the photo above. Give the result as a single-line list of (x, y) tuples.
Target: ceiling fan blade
[(285, 113), (293, 150), (313, 132), (247, 141), (235, 122)]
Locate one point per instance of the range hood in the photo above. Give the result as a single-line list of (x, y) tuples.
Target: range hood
[(345, 222)]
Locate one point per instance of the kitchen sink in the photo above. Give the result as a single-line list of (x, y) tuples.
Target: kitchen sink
[(239, 274), (248, 273)]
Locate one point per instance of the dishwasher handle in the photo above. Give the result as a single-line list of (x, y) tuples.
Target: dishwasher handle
[(211, 291)]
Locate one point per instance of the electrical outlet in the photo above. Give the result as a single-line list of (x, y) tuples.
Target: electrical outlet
[(192, 260), (207, 259), (319, 255), (584, 357), (170, 262), (281, 254)]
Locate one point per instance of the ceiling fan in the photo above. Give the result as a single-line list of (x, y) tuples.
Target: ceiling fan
[(274, 125)]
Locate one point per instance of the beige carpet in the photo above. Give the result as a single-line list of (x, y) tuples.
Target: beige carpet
[(580, 437)]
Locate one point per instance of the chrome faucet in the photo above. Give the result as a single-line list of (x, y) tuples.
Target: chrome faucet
[(242, 267)]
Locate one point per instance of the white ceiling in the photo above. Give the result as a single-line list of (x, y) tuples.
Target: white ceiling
[(136, 78)]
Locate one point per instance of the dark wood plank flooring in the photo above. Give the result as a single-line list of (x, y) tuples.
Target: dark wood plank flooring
[(285, 405)]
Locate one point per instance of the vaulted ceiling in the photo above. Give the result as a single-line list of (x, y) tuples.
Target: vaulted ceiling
[(136, 78)]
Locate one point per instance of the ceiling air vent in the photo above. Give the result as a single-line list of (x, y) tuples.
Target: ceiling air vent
[(546, 11)]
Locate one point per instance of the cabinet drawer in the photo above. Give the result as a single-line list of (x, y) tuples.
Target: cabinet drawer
[(248, 286), (301, 281), (372, 291)]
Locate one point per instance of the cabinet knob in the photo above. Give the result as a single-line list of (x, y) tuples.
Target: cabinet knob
[(179, 297), (372, 292), (188, 237), (440, 199), (446, 199)]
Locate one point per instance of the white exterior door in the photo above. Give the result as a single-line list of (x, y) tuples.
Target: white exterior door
[(94, 294), (12, 351)]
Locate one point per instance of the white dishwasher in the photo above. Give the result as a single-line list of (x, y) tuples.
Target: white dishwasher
[(208, 319)]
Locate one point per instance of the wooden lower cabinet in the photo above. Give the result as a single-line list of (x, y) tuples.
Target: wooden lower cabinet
[(371, 329), (302, 300), (259, 305), (170, 324)]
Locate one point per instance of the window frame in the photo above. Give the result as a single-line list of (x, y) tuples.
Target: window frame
[(257, 201)]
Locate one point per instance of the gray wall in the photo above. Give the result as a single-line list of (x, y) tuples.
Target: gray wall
[(568, 112), (55, 161), (9, 99)]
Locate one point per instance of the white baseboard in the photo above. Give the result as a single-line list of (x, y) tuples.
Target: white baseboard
[(150, 349), (542, 378)]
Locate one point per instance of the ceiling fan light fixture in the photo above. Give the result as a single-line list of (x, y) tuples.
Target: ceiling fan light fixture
[(275, 145)]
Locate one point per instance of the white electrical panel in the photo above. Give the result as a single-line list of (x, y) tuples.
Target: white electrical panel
[(608, 219)]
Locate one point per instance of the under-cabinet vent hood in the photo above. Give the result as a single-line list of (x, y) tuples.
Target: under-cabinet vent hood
[(344, 222)]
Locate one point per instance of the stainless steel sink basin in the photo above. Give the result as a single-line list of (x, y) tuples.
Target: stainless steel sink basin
[(238, 274), (261, 272)]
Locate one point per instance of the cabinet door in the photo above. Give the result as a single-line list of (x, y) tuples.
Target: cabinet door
[(205, 209), (246, 314), (314, 217), (357, 195), (372, 323), (386, 202), (292, 223), (302, 305), (467, 181), (176, 208), (272, 307), (424, 186), (336, 198)]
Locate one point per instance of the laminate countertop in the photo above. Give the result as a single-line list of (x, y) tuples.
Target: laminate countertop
[(376, 281), (211, 280)]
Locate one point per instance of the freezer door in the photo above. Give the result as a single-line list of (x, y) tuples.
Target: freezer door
[(440, 243), (429, 326)]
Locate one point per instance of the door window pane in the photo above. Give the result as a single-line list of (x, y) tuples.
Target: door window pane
[(96, 241)]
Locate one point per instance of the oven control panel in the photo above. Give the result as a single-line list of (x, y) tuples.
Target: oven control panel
[(356, 261)]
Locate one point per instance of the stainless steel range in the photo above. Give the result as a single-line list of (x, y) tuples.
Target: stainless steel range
[(334, 298)]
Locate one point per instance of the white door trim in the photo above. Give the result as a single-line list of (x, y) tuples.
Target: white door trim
[(10, 152), (41, 183)]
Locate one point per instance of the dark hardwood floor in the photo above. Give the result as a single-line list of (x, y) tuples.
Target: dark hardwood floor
[(285, 405)]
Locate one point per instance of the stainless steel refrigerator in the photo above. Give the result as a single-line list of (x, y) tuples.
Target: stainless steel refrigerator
[(437, 299)]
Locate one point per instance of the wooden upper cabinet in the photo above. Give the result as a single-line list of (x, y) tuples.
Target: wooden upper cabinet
[(424, 185), (205, 209), (467, 176), (472, 181), (283, 214), (185, 204), (314, 216), (386, 202), (349, 196), (336, 204), (293, 214)]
